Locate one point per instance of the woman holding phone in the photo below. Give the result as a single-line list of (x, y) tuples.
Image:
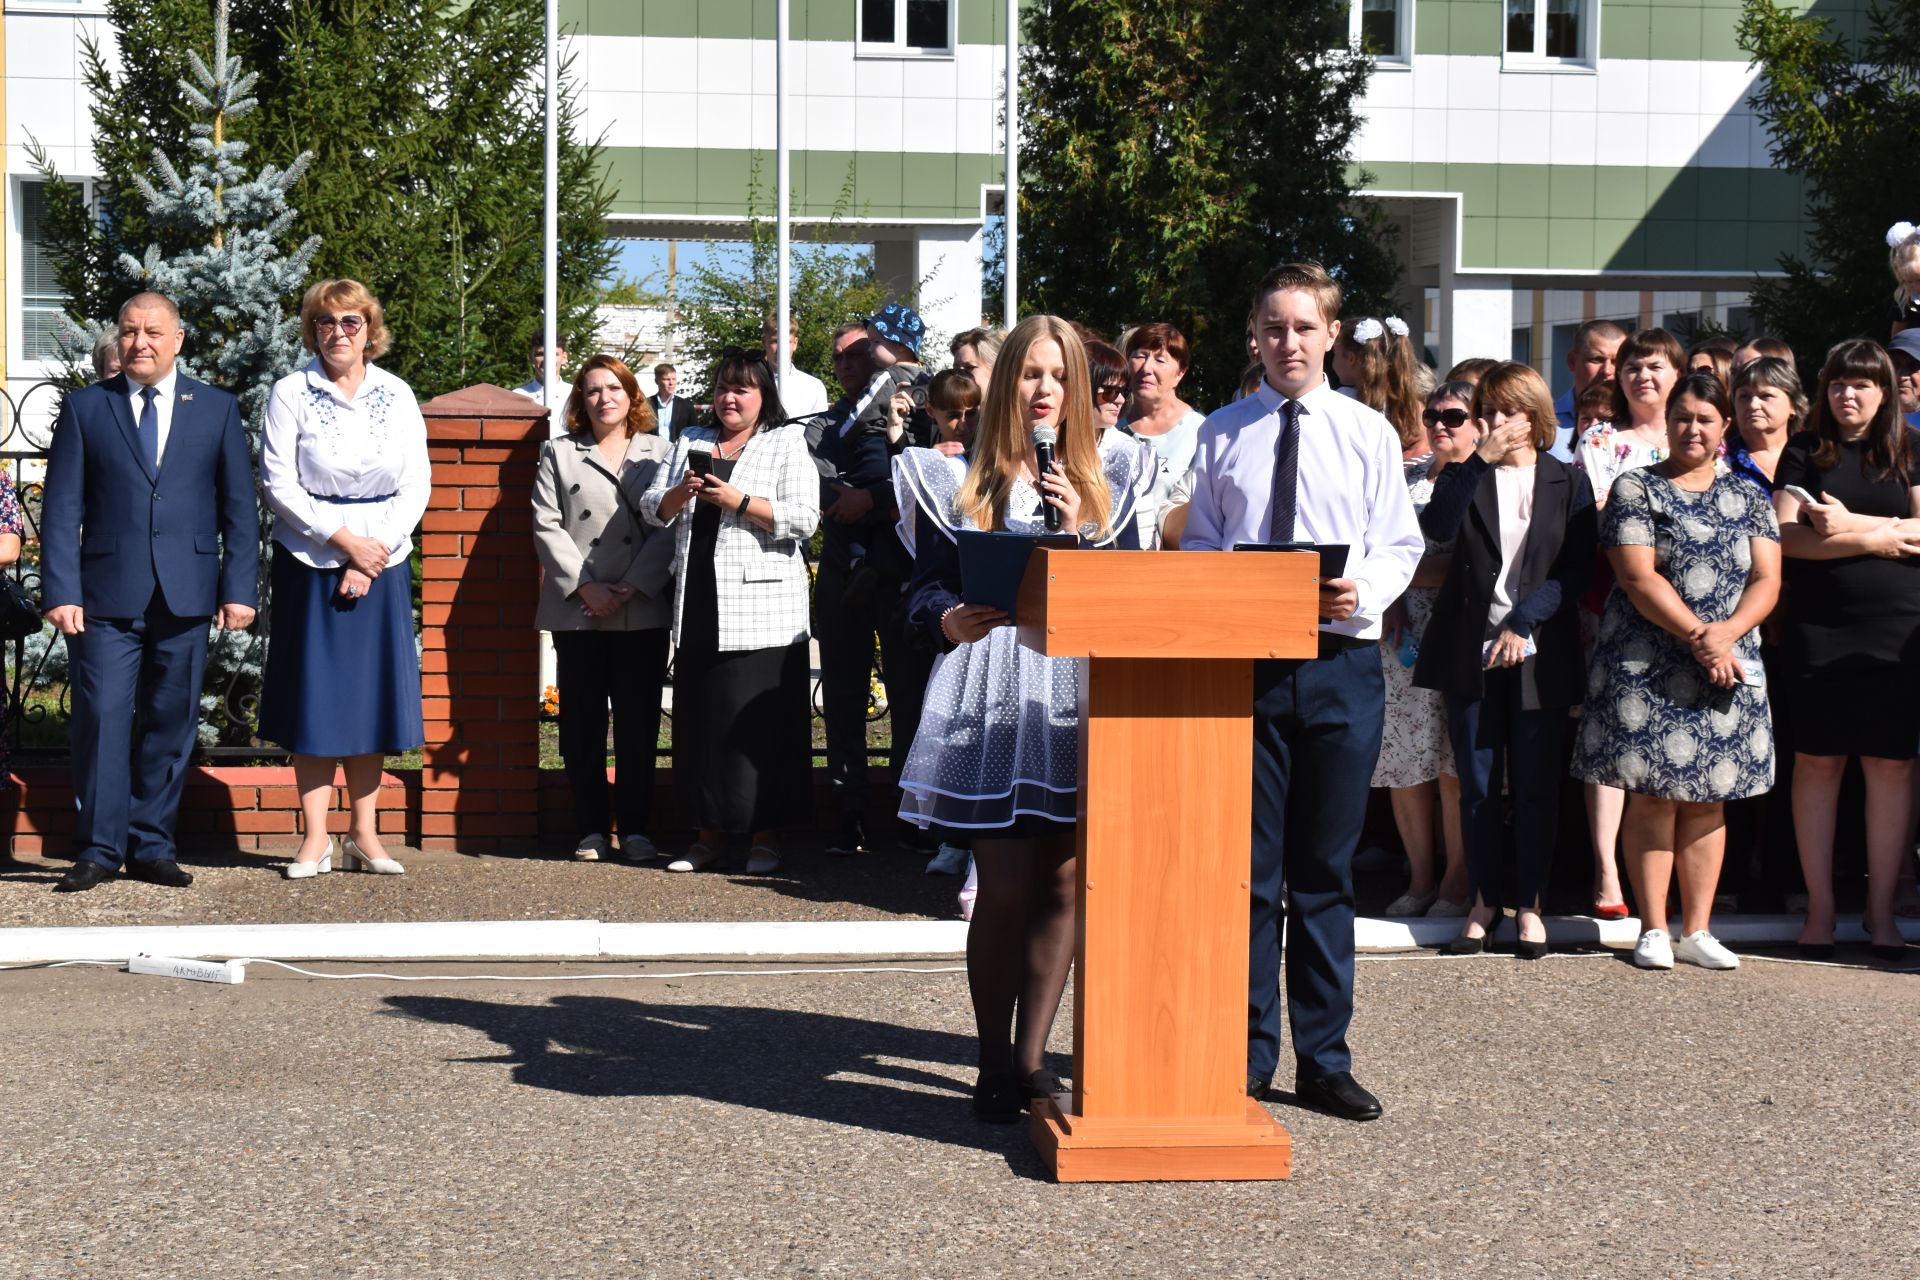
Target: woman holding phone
[(996, 758), (1849, 492), (1503, 646), (1676, 711)]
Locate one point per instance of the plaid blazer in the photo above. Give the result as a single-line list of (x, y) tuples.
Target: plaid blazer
[(760, 577)]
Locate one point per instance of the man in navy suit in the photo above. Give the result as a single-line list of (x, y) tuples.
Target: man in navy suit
[(149, 528)]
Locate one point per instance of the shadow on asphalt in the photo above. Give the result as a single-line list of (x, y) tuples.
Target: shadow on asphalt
[(846, 1071)]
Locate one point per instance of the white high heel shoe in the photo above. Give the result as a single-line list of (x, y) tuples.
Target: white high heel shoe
[(352, 858), (297, 870)]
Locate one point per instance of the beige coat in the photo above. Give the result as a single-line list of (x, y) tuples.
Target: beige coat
[(587, 528)]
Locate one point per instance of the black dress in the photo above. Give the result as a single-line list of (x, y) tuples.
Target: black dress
[(742, 748), (1853, 625)]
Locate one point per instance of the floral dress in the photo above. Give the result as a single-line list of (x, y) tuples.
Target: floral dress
[(1415, 747), (1605, 455), (10, 522), (1654, 723)]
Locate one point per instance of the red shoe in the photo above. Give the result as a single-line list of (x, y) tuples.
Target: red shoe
[(1612, 911)]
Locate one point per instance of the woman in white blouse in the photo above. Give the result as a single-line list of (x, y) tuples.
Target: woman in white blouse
[(344, 464), (742, 498)]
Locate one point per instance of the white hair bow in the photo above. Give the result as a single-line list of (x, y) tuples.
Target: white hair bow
[(1367, 330), (1397, 326), (1899, 233)]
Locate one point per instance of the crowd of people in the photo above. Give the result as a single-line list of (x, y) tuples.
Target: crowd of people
[(1686, 584)]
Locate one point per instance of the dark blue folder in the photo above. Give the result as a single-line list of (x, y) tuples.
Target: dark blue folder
[(992, 565)]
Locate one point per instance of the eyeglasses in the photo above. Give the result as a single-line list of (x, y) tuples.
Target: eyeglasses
[(348, 325), (1112, 391), (967, 369), (1452, 419)]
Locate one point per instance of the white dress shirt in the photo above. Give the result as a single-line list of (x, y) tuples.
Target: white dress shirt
[(319, 445), (162, 405), (1352, 491), (803, 394)]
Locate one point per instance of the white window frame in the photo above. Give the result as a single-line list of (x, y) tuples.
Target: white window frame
[(19, 364), (1403, 36), (898, 47), (1536, 58)]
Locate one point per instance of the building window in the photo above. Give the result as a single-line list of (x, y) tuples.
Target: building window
[(41, 300), (1384, 29), (906, 28), (1563, 336), (1551, 31), (1523, 345)]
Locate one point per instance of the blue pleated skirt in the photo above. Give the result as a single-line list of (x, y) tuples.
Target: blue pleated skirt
[(343, 676)]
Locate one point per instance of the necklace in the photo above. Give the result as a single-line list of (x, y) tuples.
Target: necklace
[(721, 449)]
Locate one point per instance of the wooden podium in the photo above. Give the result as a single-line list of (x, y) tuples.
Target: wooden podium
[(1166, 795)]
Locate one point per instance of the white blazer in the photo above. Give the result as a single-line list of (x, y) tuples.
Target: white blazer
[(760, 577)]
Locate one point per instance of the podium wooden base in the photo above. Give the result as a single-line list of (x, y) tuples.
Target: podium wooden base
[(1077, 1149)]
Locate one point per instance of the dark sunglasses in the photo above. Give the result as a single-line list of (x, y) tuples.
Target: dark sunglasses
[(348, 325), (751, 355), (1452, 419), (1112, 391)]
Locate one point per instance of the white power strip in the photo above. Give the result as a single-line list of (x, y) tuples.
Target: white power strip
[(230, 972)]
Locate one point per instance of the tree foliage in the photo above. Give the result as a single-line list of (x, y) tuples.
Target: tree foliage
[(1172, 150), (1845, 114), (425, 120), (726, 303)]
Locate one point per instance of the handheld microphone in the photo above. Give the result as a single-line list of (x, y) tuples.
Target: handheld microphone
[(1044, 438)]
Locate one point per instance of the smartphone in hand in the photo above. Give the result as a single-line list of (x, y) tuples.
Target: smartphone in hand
[(700, 463), (1799, 494)]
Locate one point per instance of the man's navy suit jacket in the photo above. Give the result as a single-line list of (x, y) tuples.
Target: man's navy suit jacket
[(112, 529)]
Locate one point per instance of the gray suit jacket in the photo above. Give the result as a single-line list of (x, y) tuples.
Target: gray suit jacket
[(587, 527)]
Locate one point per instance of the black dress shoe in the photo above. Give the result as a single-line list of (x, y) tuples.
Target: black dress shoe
[(1258, 1087), (166, 872), (1338, 1094), (849, 839), (82, 876), (997, 1100), (1044, 1084), (1888, 953)]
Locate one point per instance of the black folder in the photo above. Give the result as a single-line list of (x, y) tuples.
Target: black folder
[(1333, 556), (992, 565)]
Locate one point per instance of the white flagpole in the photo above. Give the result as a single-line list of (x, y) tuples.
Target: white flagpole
[(784, 304), (1012, 290), (550, 373)]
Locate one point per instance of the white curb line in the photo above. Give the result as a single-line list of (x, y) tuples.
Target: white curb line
[(598, 940)]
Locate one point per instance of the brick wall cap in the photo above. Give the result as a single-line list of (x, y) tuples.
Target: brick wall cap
[(483, 401)]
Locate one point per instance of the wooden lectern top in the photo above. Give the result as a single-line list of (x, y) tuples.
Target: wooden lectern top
[(1170, 604)]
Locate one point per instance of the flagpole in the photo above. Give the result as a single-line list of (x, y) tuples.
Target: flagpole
[(784, 233), (550, 302)]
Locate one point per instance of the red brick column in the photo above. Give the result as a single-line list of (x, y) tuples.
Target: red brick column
[(480, 789)]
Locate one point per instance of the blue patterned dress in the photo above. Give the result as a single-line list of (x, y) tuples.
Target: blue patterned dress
[(1654, 724), (10, 522)]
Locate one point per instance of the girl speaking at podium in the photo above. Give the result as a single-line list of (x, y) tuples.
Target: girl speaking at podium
[(997, 755)]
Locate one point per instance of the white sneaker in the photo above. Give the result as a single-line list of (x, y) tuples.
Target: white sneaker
[(696, 858), (591, 848), (762, 861), (637, 848), (949, 861), (1654, 950), (1705, 950)]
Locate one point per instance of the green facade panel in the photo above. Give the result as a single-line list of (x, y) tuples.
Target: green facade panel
[(977, 21), (1612, 218), (888, 185)]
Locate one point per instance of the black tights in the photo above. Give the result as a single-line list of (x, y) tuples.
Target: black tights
[(1020, 947)]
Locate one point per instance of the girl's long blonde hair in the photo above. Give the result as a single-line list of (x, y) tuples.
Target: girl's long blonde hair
[(1003, 440)]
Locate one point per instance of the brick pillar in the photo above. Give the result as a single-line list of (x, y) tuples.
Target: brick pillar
[(479, 662)]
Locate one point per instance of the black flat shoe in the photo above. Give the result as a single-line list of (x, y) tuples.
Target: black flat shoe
[(1889, 952), (166, 873), (82, 876), (1465, 946), (1338, 1094), (1815, 950), (1258, 1087), (1044, 1084), (1524, 950), (997, 1100)]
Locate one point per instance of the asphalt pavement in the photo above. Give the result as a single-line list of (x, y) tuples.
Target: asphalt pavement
[(1572, 1117)]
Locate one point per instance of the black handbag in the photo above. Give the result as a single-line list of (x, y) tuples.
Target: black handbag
[(19, 616)]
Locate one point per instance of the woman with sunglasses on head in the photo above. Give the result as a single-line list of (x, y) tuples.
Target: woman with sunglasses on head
[(1853, 629), (742, 498), (1504, 646), (1416, 757), (997, 754), (343, 462)]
